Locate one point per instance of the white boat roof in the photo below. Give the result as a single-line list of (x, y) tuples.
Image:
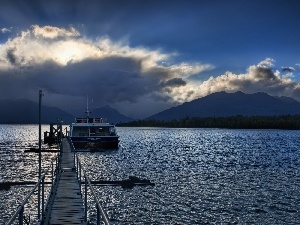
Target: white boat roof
[(87, 122), (92, 124)]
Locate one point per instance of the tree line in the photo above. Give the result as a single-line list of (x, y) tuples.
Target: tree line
[(291, 122)]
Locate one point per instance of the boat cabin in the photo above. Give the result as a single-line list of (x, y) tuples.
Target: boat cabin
[(92, 127), (90, 120)]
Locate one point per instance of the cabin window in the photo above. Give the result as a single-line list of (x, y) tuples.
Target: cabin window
[(92, 131), (80, 131), (112, 131)]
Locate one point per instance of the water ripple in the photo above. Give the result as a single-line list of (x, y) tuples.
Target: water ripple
[(201, 176)]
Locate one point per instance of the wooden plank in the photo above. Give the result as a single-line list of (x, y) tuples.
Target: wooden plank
[(67, 207)]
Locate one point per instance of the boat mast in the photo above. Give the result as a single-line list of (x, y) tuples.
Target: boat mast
[(87, 107)]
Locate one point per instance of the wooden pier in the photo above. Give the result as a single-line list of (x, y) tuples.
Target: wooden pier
[(66, 205)]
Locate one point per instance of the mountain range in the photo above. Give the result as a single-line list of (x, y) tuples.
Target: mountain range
[(220, 104), (23, 111)]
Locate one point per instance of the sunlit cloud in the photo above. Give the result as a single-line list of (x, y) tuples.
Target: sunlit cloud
[(65, 63), (53, 32), (259, 78), (137, 81), (267, 63), (6, 30)]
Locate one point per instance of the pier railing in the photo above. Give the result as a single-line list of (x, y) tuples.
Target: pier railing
[(40, 185), (82, 175), (18, 216)]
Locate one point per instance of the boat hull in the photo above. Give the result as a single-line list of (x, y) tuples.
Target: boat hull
[(95, 142)]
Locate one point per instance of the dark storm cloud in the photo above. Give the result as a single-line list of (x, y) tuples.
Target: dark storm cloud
[(175, 82), (108, 81), (264, 73), (288, 69), (12, 58), (67, 66), (111, 79)]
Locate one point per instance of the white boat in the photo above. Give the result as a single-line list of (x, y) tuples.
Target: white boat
[(93, 133)]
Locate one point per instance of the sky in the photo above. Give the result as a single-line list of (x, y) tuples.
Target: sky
[(144, 56)]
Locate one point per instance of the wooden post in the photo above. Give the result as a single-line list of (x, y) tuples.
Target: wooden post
[(21, 216), (40, 151), (85, 199)]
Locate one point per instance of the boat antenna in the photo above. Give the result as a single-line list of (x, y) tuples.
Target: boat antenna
[(87, 107)]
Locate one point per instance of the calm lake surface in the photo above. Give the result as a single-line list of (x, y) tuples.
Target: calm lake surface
[(201, 176)]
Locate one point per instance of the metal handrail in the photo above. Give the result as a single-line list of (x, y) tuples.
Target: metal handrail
[(100, 210), (20, 210), (98, 205), (21, 206)]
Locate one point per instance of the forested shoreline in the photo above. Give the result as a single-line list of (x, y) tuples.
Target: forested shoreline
[(291, 122)]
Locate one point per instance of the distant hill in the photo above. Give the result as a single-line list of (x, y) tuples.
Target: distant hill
[(222, 104), (23, 111)]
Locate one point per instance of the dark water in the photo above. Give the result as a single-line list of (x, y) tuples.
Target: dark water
[(15, 165), (202, 176)]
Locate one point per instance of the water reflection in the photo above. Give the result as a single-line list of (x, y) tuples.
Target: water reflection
[(201, 175), (16, 165)]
